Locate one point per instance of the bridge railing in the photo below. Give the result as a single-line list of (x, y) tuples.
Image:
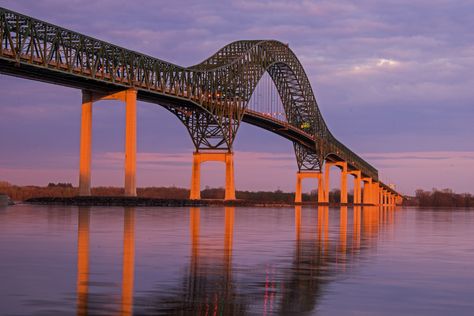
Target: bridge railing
[(39, 43)]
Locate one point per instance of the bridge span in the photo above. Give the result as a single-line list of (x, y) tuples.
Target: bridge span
[(211, 99)]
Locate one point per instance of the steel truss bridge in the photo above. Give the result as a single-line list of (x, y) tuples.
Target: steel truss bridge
[(211, 99)]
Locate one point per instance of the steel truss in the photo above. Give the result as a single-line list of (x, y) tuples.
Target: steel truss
[(210, 98)]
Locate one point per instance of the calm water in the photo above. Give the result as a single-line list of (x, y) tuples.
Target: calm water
[(235, 261)]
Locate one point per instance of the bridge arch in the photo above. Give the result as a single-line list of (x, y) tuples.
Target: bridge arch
[(238, 67)]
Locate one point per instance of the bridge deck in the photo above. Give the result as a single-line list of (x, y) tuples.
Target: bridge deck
[(41, 51)]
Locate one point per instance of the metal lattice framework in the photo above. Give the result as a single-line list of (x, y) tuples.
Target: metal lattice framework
[(210, 98)]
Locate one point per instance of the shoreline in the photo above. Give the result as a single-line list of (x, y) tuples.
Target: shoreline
[(160, 202)]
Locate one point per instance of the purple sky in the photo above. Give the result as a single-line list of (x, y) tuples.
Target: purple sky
[(393, 79)]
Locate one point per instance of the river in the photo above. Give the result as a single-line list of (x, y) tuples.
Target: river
[(236, 261)]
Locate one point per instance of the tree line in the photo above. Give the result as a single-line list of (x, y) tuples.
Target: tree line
[(440, 198), (22, 193), (433, 198)]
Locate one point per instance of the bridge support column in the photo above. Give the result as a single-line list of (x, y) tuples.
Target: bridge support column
[(229, 177), (343, 166), (367, 198), (130, 142), (382, 196), (376, 193), (300, 175), (399, 200), (344, 183), (86, 145), (130, 98), (357, 183), (227, 158), (357, 190), (327, 169), (195, 193)]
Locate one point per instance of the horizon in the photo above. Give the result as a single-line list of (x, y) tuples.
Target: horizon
[(207, 187)]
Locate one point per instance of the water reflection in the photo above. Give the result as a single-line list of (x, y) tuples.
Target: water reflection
[(301, 283), (128, 262), (342, 238), (264, 261), (209, 288), (356, 230), (326, 242), (83, 260), (321, 260)]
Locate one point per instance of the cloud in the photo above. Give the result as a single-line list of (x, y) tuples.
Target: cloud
[(158, 161), (253, 170), (300, 8), (408, 156), (413, 170)]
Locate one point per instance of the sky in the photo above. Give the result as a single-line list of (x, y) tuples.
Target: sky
[(393, 80)]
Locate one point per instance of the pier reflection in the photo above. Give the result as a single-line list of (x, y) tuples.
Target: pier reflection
[(342, 247), (83, 260), (301, 284), (322, 252), (328, 243), (356, 229), (128, 263), (208, 286)]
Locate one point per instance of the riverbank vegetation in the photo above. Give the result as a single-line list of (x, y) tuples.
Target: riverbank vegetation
[(21, 193), (440, 198), (433, 198)]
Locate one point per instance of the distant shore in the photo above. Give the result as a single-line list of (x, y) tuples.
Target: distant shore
[(55, 192), (66, 193), (156, 202)]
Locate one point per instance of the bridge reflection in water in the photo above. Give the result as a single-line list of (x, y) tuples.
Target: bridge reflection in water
[(328, 243), (83, 262)]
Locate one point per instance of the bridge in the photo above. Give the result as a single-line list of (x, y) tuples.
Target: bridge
[(211, 99)]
